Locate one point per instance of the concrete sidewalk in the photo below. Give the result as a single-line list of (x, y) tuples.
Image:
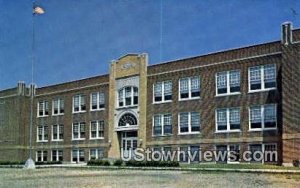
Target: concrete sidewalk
[(83, 165)]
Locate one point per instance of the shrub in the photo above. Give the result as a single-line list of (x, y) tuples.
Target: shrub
[(296, 163), (98, 162), (48, 162), (152, 163), (118, 162), (12, 162)]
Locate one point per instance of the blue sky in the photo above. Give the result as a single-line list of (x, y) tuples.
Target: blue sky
[(77, 39)]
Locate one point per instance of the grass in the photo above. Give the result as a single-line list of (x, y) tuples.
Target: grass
[(239, 166)]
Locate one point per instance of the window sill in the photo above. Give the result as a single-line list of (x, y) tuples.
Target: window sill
[(43, 116), (95, 110), (78, 139), (165, 135), (42, 141), (100, 138), (228, 94), (162, 102), (261, 90), (125, 107), (61, 140), (231, 131), (189, 99), (79, 112), (260, 130), (189, 133)]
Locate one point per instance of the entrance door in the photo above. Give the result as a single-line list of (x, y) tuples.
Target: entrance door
[(129, 144)]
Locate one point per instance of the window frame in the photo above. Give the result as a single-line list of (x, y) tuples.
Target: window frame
[(79, 132), (263, 148), (132, 96), (43, 133), (97, 130), (227, 120), (262, 78), (162, 119), (78, 155), (58, 133), (162, 92), (189, 124), (57, 155), (262, 112), (42, 155), (79, 102), (44, 108), (189, 88), (228, 150), (97, 101), (59, 104), (227, 83), (97, 152)]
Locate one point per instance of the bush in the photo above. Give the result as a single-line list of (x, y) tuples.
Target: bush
[(48, 162), (118, 162), (152, 163), (98, 162), (296, 163), (12, 162)]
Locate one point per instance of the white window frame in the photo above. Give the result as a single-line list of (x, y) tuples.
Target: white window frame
[(263, 148), (78, 155), (58, 132), (43, 133), (228, 150), (44, 108), (97, 101), (162, 92), (189, 88), (262, 108), (227, 83), (188, 150), (97, 152), (162, 118), (79, 127), (79, 102), (57, 156), (42, 155), (124, 96), (227, 120), (189, 124), (262, 76), (59, 104), (97, 130)]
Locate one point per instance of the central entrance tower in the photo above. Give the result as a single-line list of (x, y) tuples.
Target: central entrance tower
[(127, 99)]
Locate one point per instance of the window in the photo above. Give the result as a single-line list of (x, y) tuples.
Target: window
[(79, 103), (57, 132), (189, 122), (162, 124), (270, 156), (163, 91), (97, 101), (262, 77), (189, 154), (78, 131), (42, 135), (228, 82), (96, 154), (58, 107), (97, 130), (77, 155), (43, 109), (127, 119), (57, 155), (41, 156), (128, 96), (189, 88), (228, 153), (228, 119), (263, 117)]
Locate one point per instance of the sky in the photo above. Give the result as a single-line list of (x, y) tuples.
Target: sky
[(78, 39)]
